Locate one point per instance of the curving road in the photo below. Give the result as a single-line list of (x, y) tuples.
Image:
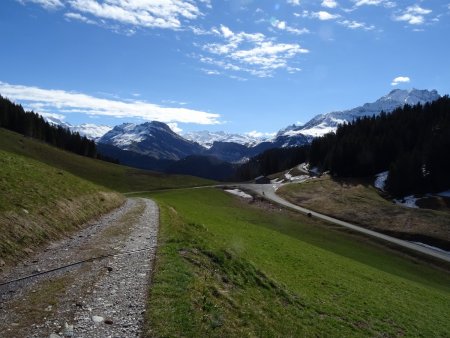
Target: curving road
[(268, 191)]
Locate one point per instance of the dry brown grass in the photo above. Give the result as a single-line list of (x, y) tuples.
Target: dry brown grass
[(360, 203), (20, 230)]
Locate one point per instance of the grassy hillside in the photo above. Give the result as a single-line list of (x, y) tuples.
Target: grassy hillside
[(39, 203), (359, 203), (229, 268), (109, 175)]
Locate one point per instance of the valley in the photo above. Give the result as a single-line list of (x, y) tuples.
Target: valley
[(239, 168), (91, 248)]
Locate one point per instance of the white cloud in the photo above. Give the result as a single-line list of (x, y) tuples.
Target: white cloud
[(384, 3), (54, 116), (48, 4), (414, 15), (210, 71), (169, 14), (250, 52), (297, 31), (60, 101), (400, 79), (282, 25), (259, 134), (323, 15), (294, 2), (329, 3), (368, 2), (79, 17), (174, 127), (356, 25), (226, 32)]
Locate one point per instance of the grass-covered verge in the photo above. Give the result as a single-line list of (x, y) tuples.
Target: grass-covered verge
[(107, 174), (39, 203), (228, 268), (360, 203)]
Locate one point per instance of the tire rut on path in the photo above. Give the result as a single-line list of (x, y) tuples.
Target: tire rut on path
[(102, 298)]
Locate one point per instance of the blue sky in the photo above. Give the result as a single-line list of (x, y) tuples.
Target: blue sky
[(237, 65)]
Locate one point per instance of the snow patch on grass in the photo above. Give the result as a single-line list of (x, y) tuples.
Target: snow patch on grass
[(407, 201), (239, 193), (444, 193), (380, 180)]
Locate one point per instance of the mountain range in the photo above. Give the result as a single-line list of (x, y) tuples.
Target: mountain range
[(154, 145), (325, 123), (90, 130)]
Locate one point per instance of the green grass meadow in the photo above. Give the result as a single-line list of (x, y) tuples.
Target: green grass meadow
[(225, 267), (229, 268)]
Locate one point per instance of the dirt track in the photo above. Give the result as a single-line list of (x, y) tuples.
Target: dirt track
[(99, 298)]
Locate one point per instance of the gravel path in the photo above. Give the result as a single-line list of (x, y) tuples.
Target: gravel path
[(101, 298)]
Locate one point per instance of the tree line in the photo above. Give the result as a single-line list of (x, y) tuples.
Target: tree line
[(28, 123), (412, 142), (272, 161)]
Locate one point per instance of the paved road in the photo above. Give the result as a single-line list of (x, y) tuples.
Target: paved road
[(268, 191)]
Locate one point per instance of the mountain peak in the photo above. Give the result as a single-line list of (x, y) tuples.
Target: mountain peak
[(396, 98), (154, 139), (410, 96)]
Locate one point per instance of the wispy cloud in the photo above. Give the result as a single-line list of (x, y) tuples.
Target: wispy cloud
[(414, 15), (250, 52), (400, 79), (49, 4), (282, 25), (384, 3), (294, 2), (321, 15), (352, 24), (165, 14), (77, 16), (62, 102)]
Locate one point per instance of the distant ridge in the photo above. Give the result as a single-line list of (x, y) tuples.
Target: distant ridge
[(325, 123)]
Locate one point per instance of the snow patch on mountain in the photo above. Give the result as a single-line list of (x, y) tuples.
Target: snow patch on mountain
[(154, 139), (207, 138), (380, 180), (125, 135), (91, 131), (326, 123)]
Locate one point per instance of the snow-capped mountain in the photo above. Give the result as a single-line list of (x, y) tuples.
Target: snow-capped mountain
[(207, 138), (91, 131), (325, 123), (55, 121), (154, 139)]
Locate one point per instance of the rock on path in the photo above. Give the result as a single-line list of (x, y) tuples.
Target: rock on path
[(103, 298)]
